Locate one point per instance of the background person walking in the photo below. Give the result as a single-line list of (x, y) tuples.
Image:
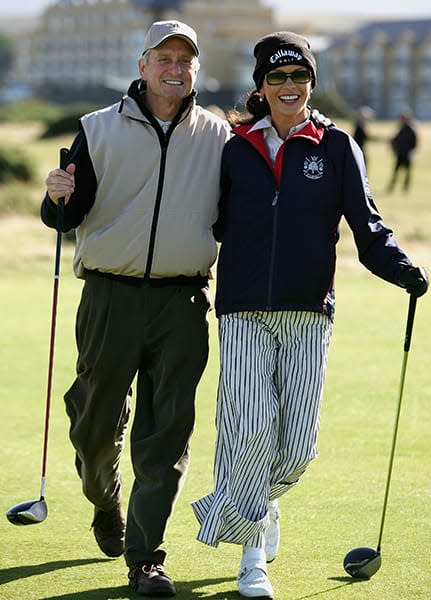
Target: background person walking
[(403, 145), (360, 133)]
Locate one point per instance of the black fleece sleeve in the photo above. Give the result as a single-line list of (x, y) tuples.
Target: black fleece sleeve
[(82, 199), (377, 248)]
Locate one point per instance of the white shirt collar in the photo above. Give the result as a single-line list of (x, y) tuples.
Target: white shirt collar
[(163, 124), (262, 124), (266, 123), (272, 139)]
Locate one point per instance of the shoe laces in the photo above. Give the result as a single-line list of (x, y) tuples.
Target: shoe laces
[(148, 568), (245, 571)]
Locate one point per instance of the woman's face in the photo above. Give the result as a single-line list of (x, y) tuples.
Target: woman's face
[(288, 99)]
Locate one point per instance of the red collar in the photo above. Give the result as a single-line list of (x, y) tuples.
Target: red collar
[(310, 132)]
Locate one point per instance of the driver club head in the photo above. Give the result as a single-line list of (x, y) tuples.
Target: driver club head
[(28, 513), (362, 563)]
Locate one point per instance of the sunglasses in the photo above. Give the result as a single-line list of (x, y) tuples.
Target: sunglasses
[(280, 77)]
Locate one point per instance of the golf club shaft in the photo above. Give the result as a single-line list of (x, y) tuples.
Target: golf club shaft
[(59, 225), (407, 340)]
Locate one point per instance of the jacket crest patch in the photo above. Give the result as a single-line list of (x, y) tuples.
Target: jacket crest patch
[(313, 167)]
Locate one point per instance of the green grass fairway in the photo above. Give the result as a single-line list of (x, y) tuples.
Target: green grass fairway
[(337, 505)]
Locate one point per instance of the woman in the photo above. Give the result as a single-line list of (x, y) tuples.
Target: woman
[(288, 176)]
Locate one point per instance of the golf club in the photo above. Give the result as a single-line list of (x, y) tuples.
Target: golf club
[(36, 511), (363, 563)]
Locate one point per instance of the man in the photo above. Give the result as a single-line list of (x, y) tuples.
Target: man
[(403, 145), (360, 134), (141, 188)]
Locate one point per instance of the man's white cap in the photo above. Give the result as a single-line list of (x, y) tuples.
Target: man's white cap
[(160, 31)]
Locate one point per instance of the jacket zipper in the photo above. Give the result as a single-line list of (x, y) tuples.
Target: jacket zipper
[(272, 257)]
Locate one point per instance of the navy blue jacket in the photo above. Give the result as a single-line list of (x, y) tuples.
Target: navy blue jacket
[(279, 225)]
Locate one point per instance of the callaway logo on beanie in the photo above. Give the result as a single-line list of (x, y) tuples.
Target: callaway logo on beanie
[(279, 49)]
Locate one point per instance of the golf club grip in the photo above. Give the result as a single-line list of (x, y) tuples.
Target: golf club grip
[(410, 319), (64, 153)]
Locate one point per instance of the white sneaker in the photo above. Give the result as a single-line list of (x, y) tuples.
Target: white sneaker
[(272, 534), (253, 582)]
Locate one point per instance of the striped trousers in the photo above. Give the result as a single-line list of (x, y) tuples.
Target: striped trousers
[(273, 366)]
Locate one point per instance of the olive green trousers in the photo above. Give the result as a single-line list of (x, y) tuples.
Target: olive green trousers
[(156, 337)]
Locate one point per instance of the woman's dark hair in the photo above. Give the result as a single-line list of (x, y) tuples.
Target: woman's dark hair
[(256, 107)]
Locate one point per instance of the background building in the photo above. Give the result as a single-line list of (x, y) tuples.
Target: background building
[(385, 65), (84, 48), (87, 50)]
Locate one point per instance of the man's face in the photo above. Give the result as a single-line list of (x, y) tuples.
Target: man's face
[(170, 70)]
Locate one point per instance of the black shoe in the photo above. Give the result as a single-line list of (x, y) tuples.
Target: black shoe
[(109, 529), (149, 579)]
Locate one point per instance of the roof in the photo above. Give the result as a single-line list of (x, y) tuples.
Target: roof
[(138, 3), (157, 3), (394, 30)]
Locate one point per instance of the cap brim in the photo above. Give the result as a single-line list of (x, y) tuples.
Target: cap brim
[(176, 35)]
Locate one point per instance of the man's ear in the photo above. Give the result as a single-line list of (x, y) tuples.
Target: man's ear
[(141, 67)]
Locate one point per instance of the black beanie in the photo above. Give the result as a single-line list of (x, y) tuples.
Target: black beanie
[(279, 49)]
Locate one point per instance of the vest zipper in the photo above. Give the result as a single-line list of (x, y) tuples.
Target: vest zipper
[(164, 142), (154, 222)]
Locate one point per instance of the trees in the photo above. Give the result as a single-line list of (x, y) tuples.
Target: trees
[(6, 56)]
